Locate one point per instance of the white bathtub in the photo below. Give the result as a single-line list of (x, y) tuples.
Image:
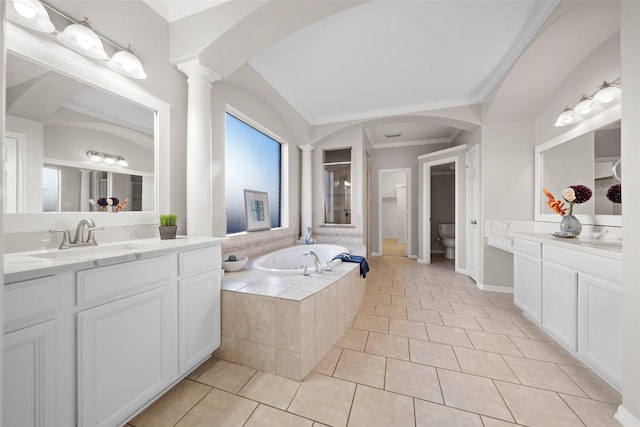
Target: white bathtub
[(289, 260)]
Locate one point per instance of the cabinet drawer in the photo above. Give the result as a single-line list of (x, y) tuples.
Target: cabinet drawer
[(115, 281), (533, 249), (199, 260), (29, 300), (606, 268)]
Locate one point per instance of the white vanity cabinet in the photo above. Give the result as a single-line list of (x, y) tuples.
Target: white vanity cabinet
[(527, 280), (93, 342), (199, 305), (560, 303), (29, 353), (582, 306), (124, 342)]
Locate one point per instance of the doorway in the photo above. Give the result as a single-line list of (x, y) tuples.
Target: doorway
[(394, 213)]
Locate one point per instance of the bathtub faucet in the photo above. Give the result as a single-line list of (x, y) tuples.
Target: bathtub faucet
[(315, 259)]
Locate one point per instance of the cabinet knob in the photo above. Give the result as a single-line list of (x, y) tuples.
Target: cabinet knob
[(474, 222)]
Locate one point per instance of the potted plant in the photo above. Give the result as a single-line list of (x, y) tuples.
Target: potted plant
[(168, 226)]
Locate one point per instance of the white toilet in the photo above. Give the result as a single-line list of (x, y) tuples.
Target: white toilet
[(447, 233)]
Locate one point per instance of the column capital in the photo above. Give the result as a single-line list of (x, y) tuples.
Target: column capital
[(306, 148), (199, 69)]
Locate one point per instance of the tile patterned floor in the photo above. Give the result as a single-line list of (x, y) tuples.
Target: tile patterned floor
[(427, 349)]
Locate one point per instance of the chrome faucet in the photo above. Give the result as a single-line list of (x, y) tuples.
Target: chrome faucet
[(315, 259), (86, 227)]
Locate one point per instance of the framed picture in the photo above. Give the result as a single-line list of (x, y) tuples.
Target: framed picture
[(256, 210)]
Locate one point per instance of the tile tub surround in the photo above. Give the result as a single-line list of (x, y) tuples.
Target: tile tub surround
[(285, 325)]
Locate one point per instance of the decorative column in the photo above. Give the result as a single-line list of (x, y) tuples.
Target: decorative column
[(306, 189), (199, 175)]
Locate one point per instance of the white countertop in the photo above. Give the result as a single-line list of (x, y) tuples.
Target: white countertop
[(27, 265), (586, 244)]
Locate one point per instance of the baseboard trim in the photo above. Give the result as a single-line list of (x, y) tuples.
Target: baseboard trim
[(493, 288), (413, 256), (626, 418), (376, 254)]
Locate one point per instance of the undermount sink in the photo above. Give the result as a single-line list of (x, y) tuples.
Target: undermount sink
[(603, 243), (89, 251)]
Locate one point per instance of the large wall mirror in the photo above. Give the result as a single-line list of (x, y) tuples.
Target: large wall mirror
[(69, 143), (76, 131), (588, 155)]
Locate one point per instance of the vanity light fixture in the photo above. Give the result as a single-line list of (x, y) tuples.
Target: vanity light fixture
[(109, 159), (607, 95), (76, 35), (126, 63), (30, 14), (81, 38)]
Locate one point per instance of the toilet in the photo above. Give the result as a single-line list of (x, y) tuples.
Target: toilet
[(447, 233)]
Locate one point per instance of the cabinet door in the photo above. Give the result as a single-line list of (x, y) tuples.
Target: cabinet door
[(600, 326), (124, 352), (559, 303), (29, 376), (527, 285), (199, 315)]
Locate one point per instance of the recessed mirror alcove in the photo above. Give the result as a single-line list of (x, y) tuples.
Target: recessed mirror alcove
[(93, 132), (588, 154)]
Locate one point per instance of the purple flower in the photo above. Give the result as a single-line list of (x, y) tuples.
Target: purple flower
[(583, 193), (614, 193)]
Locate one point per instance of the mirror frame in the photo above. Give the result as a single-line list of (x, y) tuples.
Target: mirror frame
[(604, 118), (45, 51)]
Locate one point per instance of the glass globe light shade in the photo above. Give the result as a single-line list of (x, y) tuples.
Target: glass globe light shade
[(126, 63), (30, 14), (82, 39)]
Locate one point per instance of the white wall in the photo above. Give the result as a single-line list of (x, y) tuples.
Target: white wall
[(630, 40), (402, 213)]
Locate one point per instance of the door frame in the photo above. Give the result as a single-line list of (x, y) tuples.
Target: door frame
[(407, 172), (453, 155)]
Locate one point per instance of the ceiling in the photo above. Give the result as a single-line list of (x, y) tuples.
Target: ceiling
[(386, 58)]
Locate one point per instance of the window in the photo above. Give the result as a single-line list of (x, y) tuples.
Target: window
[(252, 161), (336, 166)]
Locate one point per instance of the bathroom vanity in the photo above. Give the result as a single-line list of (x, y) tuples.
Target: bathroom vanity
[(93, 335), (571, 288)]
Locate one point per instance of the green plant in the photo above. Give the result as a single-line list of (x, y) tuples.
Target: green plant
[(168, 220)]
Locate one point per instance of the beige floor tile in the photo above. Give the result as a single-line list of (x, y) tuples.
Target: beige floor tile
[(504, 314), (483, 363), (477, 300), (328, 363), (369, 322), (532, 331), (468, 309), (405, 301), (227, 376), (450, 297), (493, 342), (426, 316), (492, 422), (543, 375), (413, 379), (537, 408), (433, 354), (432, 415), (324, 399), (362, 368), (417, 293), (472, 393), (408, 328), (431, 304), (203, 367), (392, 311), (367, 308), (354, 339), (448, 335), (270, 389), (392, 290), (388, 345), (219, 408), (593, 385), (544, 350), (460, 321), (377, 298), (264, 416), (592, 412), (498, 326), (373, 407), (172, 406)]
